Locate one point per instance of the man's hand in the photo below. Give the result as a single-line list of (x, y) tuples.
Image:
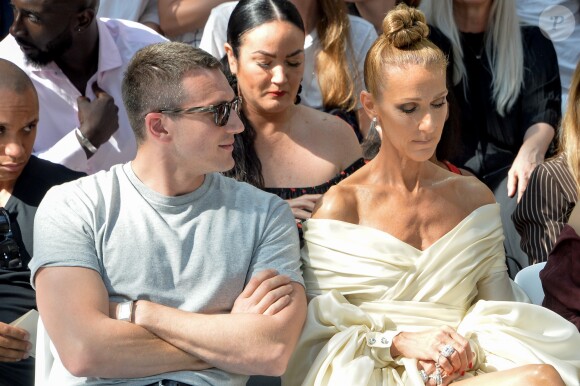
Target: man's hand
[(99, 118), (14, 343), (267, 293)]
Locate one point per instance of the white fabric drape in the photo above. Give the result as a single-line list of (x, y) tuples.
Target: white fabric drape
[(363, 282)]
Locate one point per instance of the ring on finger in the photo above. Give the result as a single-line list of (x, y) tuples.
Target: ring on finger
[(437, 376), (447, 351), (424, 376)]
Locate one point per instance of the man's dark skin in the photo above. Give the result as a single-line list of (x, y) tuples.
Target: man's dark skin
[(66, 32)]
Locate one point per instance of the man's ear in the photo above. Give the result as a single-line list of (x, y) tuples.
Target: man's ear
[(84, 19), (232, 61), (368, 103), (155, 128)]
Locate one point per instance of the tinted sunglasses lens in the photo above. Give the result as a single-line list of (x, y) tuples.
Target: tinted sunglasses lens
[(222, 114), (236, 105)]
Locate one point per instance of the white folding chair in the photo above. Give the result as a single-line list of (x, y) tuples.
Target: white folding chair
[(44, 357), (529, 280)]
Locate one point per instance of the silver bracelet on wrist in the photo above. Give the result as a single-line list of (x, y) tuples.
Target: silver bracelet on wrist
[(125, 311), (84, 141)]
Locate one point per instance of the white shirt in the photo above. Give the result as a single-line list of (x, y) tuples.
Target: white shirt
[(142, 11), (567, 49), (193, 38), (55, 139), (362, 36)]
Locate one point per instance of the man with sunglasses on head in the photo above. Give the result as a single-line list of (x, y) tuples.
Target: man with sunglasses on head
[(162, 271), (76, 62), (24, 179)]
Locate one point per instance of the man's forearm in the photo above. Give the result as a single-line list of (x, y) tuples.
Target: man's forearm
[(130, 351), (90, 343), (238, 343)]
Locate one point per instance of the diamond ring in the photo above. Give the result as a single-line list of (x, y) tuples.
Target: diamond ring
[(447, 351)]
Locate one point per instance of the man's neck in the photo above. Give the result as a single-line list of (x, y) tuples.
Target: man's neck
[(162, 176), (81, 62)]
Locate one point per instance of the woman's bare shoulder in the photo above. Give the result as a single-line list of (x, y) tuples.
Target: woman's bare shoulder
[(470, 193), (338, 203), (332, 133)]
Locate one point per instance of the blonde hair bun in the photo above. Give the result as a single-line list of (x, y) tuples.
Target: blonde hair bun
[(404, 26)]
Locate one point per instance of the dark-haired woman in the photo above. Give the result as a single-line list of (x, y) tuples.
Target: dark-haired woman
[(404, 263), (334, 50), (289, 149)]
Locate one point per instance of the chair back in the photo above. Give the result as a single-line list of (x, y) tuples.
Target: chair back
[(44, 357), (529, 280)]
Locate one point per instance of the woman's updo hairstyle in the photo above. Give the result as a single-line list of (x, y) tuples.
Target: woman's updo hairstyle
[(250, 14), (403, 42)]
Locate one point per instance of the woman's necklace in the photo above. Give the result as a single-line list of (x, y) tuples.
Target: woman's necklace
[(475, 44)]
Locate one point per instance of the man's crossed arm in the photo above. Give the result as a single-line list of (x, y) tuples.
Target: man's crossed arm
[(257, 337)]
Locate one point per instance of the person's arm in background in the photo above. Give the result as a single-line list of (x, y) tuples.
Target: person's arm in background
[(150, 16), (541, 108), (542, 212), (177, 17), (532, 152)]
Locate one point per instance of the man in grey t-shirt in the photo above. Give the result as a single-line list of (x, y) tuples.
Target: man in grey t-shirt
[(162, 270)]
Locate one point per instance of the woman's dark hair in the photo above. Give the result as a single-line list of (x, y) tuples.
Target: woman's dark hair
[(247, 15)]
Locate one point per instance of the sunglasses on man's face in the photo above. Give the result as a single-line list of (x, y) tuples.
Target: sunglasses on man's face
[(9, 252), (221, 112)]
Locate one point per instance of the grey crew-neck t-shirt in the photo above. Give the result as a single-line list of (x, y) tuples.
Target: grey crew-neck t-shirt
[(195, 252)]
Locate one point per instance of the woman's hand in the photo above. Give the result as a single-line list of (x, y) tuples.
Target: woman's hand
[(536, 142), (302, 206), (427, 346), (521, 170), (430, 369)]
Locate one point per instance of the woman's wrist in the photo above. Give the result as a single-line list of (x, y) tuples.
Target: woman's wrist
[(397, 340)]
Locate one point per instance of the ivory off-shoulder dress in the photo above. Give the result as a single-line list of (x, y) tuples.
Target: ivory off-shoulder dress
[(364, 282)]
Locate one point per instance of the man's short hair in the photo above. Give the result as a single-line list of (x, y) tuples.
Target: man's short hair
[(153, 80), (13, 78)]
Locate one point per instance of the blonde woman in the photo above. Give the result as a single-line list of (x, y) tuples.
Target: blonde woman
[(334, 48), (507, 85), (403, 261)]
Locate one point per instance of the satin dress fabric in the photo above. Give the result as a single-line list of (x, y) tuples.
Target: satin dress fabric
[(362, 283)]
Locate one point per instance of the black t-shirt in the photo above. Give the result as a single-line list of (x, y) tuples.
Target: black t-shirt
[(16, 293), (490, 141)]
